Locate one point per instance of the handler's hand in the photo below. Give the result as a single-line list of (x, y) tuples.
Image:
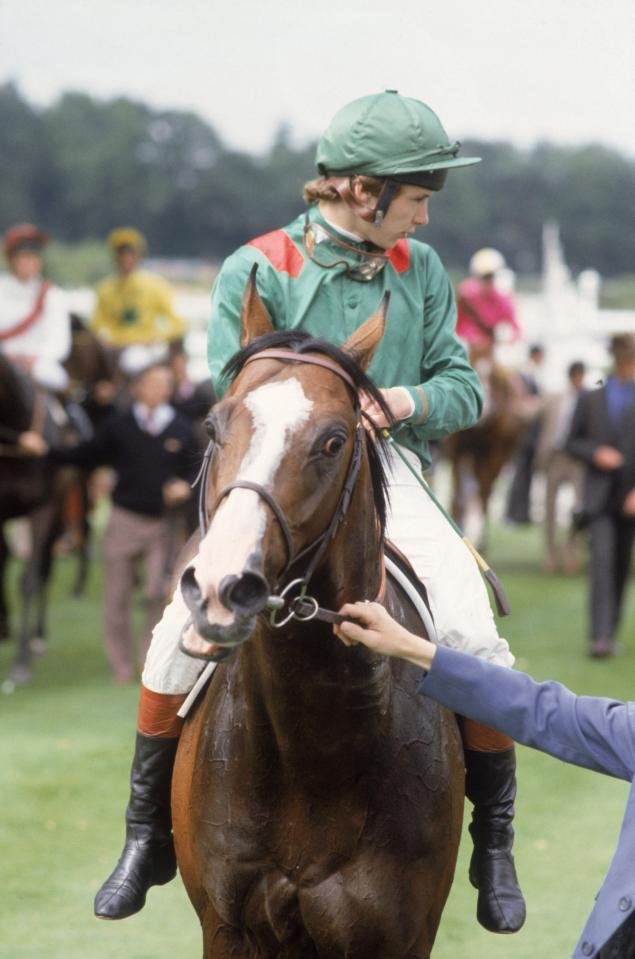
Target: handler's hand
[(175, 492), (398, 401), (32, 444), (370, 624), (607, 458)]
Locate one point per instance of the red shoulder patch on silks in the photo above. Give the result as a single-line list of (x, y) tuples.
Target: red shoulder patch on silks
[(281, 252), (399, 256)]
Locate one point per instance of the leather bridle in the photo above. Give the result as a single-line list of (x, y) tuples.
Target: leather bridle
[(300, 606)]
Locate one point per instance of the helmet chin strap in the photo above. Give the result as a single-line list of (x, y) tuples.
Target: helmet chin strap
[(371, 214)]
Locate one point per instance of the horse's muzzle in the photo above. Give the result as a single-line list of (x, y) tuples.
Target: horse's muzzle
[(245, 596)]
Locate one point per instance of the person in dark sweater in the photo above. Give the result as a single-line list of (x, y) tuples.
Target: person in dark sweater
[(155, 454)]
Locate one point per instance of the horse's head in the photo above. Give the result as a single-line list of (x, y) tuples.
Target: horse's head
[(287, 445)]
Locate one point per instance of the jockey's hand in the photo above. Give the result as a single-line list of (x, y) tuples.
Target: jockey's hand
[(32, 444), (607, 458), (175, 492), (370, 624), (398, 401)]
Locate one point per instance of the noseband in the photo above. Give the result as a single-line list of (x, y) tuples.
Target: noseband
[(300, 606)]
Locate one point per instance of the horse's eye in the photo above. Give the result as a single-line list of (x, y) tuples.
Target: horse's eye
[(210, 429), (333, 445)]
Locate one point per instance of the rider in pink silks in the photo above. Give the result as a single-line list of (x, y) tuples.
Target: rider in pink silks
[(482, 307)]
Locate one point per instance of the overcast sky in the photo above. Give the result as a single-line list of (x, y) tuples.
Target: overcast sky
[(524, 70)]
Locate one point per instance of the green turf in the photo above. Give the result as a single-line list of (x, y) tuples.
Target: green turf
[(64, 757)]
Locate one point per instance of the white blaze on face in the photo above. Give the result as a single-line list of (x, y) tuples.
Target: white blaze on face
[(278, 410)]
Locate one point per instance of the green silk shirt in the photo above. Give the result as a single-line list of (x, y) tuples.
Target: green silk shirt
[(419, 350)]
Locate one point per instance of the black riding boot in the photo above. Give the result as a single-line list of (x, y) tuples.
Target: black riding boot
[(148, 857), (491, 785)]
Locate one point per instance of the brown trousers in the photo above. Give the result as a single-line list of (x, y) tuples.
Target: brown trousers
[(129, 538), (560, 470)]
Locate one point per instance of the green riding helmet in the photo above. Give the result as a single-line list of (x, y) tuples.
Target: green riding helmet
[(389, 136)]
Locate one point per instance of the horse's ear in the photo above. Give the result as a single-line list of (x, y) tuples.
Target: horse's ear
[(254, 319), (364, 341)]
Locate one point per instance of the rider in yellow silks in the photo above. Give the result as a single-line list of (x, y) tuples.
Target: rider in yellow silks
[(134, 306)]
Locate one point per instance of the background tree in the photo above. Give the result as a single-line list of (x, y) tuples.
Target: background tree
[(82, 166)]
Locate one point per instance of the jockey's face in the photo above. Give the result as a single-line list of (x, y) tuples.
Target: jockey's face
[(127, 259), (154, 387), (26, 264), (407, 211)]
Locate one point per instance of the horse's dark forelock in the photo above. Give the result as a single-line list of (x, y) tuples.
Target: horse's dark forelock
[(301, 342)]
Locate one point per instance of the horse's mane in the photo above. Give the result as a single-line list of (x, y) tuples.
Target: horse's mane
[(301, 342)]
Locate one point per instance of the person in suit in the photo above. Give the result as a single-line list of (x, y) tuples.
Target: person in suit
[(560, 469), (602, 436), (595, 733)]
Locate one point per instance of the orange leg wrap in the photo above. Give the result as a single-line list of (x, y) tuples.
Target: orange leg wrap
[(74, 506), (482, 739), (157, 714)]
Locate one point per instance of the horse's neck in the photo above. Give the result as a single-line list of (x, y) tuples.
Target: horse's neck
[(16, 396)]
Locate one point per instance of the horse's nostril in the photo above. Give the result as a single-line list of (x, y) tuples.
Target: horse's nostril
[(227, 584), (190, 588), (247, 593)]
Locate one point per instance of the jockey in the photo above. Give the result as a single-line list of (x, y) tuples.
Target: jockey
[(35, 327), (482, 308), (134, 306), (380, 161)]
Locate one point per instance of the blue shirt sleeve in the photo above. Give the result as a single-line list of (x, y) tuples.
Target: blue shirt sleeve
[(588, 731)]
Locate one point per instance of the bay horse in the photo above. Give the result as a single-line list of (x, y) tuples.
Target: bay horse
[(28, 487), (478, 455), (317, 799)]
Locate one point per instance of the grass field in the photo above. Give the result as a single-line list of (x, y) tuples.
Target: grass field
[(65, 749)]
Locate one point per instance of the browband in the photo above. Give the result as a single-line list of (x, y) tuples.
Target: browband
[(292, 356)]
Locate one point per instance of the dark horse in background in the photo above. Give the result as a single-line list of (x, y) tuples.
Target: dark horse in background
[(317, 800), (28, 487), (92, 371), (478, 455)]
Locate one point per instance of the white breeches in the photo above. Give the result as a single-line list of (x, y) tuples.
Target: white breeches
[(458, 596), (456, 590)]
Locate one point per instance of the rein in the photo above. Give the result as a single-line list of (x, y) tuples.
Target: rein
[(301, 607)]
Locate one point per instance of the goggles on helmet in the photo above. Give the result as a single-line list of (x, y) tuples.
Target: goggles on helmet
[(360, 265)]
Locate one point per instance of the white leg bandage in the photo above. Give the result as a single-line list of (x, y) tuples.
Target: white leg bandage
[(167, 669)]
